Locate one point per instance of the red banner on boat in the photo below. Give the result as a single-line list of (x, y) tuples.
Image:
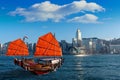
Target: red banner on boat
[(17, 48), (47, 45)]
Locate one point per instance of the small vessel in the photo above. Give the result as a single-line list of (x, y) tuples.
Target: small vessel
[(47, 56)]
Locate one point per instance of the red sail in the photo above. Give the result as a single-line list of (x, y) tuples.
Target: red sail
[(47, 45), (17, 48)]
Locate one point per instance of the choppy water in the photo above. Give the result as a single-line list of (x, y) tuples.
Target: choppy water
[(92, 67)]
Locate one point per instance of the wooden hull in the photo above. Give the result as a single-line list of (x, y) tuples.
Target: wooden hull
[(37, 68)]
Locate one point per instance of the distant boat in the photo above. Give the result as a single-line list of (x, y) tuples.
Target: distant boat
[(47, 57)]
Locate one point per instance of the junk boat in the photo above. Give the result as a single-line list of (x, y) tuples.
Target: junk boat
[(47, 56)]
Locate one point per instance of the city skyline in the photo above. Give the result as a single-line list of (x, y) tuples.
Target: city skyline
[(94, 18)]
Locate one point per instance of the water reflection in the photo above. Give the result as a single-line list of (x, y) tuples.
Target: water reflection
[(73, 67)]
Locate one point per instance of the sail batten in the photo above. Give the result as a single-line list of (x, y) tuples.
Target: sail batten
[(47, 45), (17, 48), (51, 49)]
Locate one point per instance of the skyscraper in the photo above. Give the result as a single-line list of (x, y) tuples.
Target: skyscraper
[(79, 38), (74, 42)]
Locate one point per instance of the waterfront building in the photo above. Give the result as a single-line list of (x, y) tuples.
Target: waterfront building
[(74, 42), (79, 38), (30, 47), (114, 46), (0, 48), (114, 49), (85, 43), (65, 46), (95, 45), (4, 47), (90, 46), (34, 47), (77, 47)]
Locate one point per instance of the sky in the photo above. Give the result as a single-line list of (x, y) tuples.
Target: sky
[(34, 18)]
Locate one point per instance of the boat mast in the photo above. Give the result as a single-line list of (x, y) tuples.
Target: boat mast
[(25, 37), (54, 47)]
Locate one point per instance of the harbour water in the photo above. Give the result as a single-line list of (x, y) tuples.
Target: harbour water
[(89, 67)]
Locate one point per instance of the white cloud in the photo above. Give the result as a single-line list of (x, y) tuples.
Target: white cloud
[(87, 18), (47, 11)]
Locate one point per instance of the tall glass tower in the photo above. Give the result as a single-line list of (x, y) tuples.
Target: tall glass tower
[(79, 38)]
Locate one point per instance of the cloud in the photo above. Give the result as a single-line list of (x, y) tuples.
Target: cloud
[(87, 18), (48, 11)]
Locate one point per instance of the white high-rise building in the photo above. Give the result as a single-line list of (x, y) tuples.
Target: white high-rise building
[(79, 38), (74, 42)]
